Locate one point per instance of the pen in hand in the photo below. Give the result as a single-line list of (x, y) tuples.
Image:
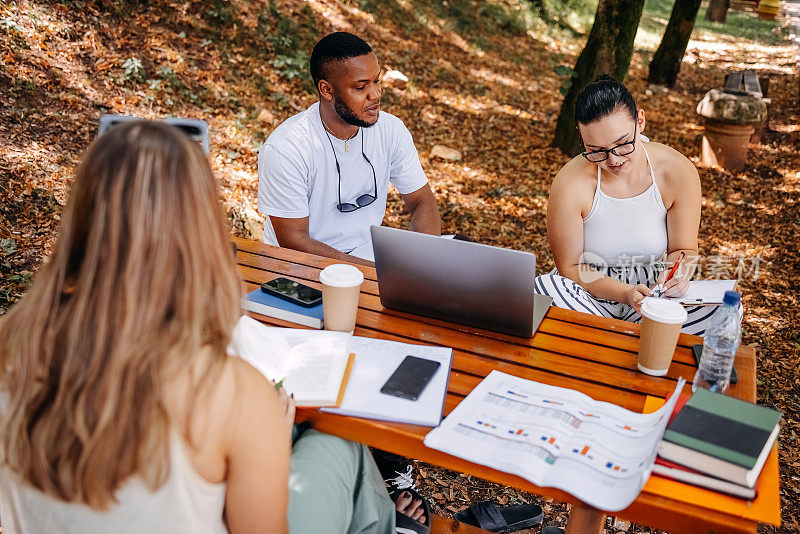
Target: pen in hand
[(657, 290), (279, 384)]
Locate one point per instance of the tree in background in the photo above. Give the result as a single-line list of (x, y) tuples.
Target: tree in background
[(718, 10), (667, 60), (608, 50)]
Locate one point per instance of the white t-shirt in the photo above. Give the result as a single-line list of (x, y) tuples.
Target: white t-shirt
[(297, 176)]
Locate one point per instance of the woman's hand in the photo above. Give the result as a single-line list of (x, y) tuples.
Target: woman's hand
[(287, 402), (677, 286), (635, 296)]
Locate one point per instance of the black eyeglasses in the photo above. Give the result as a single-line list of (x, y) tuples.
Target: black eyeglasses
[(364, 200), (622, 149)]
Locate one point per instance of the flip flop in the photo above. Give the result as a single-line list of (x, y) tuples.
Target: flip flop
[(403, 481), (406, 525), (488, 516), (397, 471)]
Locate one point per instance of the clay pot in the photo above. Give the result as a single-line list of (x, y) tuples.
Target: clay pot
[(725, 144), (729, 124)]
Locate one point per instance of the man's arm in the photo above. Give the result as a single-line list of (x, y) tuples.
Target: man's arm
[(293, 233), (424, 211)]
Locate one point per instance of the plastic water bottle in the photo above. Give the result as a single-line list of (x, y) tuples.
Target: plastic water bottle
[(719, 346)]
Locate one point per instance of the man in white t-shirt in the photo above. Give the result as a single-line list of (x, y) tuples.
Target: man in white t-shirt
[(324, 174)]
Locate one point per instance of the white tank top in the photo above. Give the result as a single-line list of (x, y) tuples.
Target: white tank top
[(620, 232), (186, 503)]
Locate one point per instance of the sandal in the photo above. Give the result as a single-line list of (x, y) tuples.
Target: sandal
[(397, 471), (403, 481), (488, 516), (406, 525)]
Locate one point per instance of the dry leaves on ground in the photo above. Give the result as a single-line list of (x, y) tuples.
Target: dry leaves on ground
[(489, 92)]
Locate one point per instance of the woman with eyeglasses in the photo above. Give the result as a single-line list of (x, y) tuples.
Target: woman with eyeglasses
[(620, 212)]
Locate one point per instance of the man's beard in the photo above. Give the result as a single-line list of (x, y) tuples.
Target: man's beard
[(348, 115)]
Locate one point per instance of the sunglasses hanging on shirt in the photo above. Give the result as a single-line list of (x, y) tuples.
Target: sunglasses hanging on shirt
[(364, 200)]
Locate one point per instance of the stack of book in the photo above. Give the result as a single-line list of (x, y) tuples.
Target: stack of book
[(718, 442), (265, 304)]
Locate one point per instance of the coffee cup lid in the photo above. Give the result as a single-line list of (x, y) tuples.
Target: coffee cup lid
[(663, 310), (341, 275)]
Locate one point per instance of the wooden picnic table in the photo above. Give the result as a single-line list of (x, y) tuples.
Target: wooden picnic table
[(590, 354)]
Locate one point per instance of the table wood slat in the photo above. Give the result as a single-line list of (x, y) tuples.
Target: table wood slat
[(631, 400), (612, 338), (469, 369), (614, 343), (574, 357), (294, 257)]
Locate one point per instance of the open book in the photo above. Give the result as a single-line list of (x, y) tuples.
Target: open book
[(314, 365), (599, 452)]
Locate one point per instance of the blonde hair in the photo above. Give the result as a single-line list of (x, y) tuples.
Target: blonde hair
[(142, 280)]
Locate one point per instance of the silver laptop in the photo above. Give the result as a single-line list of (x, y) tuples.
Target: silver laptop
[(458, 281)]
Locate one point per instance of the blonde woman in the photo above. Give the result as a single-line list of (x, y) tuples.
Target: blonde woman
[(120, 410)]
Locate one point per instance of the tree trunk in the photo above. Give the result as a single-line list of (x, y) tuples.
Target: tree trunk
[(608, 50), (718, 10), (667, 60)]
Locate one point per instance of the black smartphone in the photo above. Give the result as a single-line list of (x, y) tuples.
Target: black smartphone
[(293, 292), (697, 351), (410, 378)]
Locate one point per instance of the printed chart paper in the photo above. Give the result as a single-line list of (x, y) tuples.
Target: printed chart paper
[(600, 453)]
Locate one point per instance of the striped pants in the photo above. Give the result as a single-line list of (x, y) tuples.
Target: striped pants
[(569, 294)]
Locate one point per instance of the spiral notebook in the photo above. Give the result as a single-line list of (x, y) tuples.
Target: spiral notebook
[(375, 361)]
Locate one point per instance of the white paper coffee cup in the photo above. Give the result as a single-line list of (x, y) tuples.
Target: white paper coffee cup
[(662, 320), (341, 286)]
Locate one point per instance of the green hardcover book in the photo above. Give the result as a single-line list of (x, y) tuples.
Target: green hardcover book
[(721, 436)]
